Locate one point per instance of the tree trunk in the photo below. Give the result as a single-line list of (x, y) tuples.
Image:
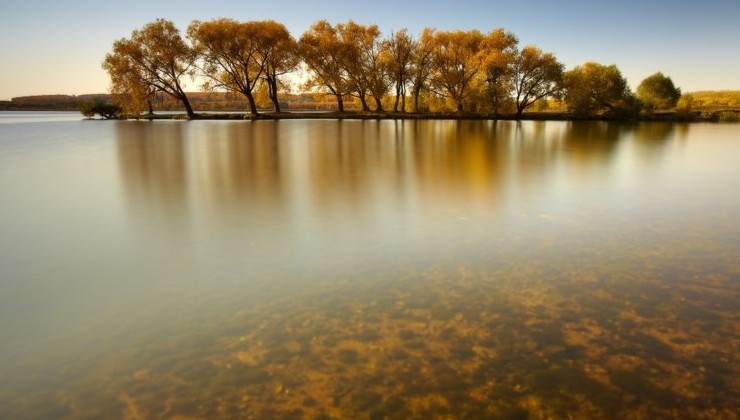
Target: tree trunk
[(492, 97), (186, 104), (252, 103), (273, 93), (378, 105), (180, 95), (276, 104), (340, 103), (363, 101), (403, 99), (417, 92), (459, 106), (519, 111), (398, 96)]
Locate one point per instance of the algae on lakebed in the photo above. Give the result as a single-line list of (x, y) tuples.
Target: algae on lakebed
[(483, 344)]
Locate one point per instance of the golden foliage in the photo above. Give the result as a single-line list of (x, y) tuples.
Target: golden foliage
[(437, 70)]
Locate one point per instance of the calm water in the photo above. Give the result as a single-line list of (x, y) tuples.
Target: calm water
[(368, 269)]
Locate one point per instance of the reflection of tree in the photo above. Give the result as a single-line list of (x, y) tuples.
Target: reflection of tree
[(459, 161), (242, 165), (590, 140), (350, 170), (654, 132), (237, 165), (650, 138), (598, 140), (341, 156), (152, 161), (355, 164)]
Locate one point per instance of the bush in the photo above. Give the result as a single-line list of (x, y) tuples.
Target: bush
[(104, 110), (658, 92), (728, 116)]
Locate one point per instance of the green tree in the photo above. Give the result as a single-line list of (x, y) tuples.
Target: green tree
[(154, 59), (658, 92), (594, 88), (536, 75)]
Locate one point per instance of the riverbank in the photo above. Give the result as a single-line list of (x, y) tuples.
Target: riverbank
[(697, 116)]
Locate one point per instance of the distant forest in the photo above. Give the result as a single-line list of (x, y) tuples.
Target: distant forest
[(202, 101), (228, 101)]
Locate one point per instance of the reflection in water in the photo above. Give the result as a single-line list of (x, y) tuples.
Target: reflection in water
[(154, 160), (425, 269)]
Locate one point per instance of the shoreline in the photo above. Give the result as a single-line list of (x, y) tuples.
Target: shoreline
[(696, 116), (728, 115)]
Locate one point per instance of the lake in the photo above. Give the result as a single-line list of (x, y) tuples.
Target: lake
[(368, 269)]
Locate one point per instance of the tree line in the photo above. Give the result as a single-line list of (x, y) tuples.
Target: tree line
[(465, 71)]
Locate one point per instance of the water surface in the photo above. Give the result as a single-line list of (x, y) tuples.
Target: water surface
[(350, 269)]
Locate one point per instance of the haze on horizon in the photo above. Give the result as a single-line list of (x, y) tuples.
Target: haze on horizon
[(57, 47)]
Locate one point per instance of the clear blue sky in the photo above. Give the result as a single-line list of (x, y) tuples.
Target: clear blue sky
[(52, 46)]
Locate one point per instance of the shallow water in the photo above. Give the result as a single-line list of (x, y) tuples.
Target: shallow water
[(354, 269)]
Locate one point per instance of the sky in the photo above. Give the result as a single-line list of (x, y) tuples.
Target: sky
[(56, 47)]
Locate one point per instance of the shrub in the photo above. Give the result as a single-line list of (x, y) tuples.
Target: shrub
[(107, 111), (728, 116)]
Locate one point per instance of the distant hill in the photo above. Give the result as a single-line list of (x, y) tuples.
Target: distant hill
[(49, 102), (201, 101)]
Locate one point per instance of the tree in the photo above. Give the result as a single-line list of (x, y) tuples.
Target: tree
[(325, 55), (593, 88), (278, 52), (367, 64), (421, 64), (154, 59), (658, 92), (536, 75), (685, 105), (402, 48), (496, 58), (229, 50), (129, 86), (453, 64)]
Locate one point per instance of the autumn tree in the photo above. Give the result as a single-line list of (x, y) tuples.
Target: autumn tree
[(401, 47), (536, 75), (278, 52), (229, 53), (421, 64), (129, 87), (686, 104), (154, 59), (454, 65), (593, 88), (496, 57), (658, 92), (325, 55), (367, 64)]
